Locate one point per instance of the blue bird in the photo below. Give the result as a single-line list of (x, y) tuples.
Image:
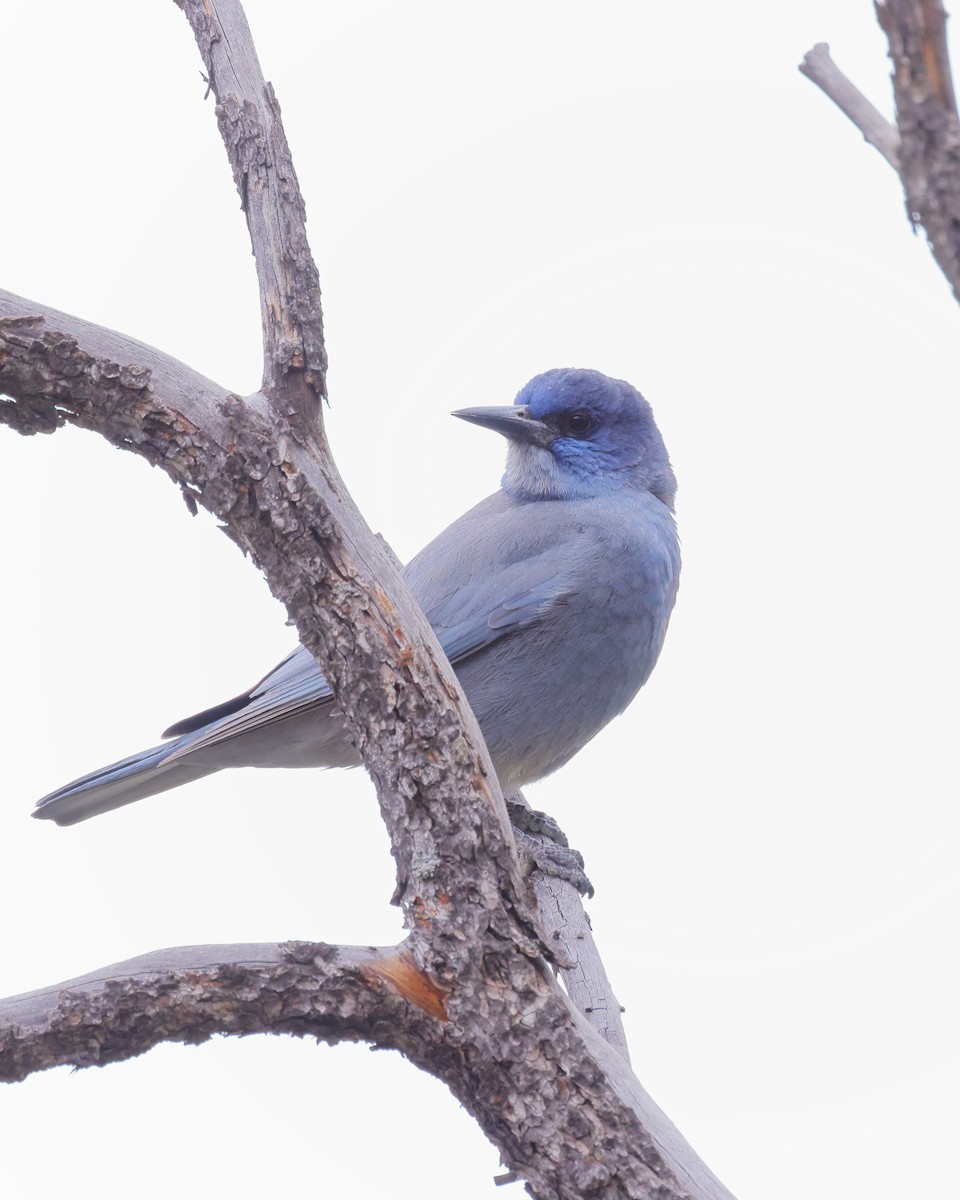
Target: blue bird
[(551, 599)]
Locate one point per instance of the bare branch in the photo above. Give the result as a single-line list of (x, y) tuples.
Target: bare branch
[(581, 1117), (581, 1124), (581, 968), (566, 926), (818, 66), (925, 146), (249, 118), (60, 370), (290, 511), (191, 993)]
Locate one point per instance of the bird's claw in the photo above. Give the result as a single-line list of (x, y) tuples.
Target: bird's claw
[(532, 820), (559, 861), (544, 847)]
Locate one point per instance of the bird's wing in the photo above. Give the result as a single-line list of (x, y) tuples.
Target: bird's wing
[(486, 608), (297, 677), (497, 569), (293, 685)]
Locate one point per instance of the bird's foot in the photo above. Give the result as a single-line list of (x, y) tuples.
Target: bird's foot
[(559, 861), (544, 847), (532, 820)]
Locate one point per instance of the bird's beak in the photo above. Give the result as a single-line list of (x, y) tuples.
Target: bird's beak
[(512, 420)]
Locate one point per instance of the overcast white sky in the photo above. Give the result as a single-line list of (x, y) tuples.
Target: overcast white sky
[(648, 189)]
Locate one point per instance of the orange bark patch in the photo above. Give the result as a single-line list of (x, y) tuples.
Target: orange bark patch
[(405, 978)]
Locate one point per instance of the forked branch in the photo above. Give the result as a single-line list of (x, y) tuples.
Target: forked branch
[(925, 146)]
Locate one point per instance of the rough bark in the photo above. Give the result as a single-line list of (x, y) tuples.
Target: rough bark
[(190, 993), (470, 996), (248, 116), (566, 1112), (925, 147), (928, 123), (469, 943), (285, 504)]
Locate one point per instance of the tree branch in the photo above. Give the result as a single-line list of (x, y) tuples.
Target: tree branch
[(285, 504), (248, 115), (578, 960), (567, 928), (563, 1107), (579, 1114), (819, 67), (925, 146), (57, 370), (191, 993), (929, 125)]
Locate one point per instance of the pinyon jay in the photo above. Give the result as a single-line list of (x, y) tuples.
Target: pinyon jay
[(550, 598)]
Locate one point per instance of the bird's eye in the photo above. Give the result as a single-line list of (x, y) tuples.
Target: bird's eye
[(577, 424)]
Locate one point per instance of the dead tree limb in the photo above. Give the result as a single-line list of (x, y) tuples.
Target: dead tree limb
[(925, 147), (190, 993), (819, 67), (508, 1038)]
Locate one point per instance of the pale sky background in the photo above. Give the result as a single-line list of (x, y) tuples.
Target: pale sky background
[(648, 189)]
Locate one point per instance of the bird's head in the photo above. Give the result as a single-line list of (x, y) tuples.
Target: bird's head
[(576, 433)]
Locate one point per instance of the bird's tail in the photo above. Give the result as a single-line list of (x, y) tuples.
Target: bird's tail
[(133, 778)]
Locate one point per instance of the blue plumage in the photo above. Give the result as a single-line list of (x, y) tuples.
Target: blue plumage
[(551, 598)]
